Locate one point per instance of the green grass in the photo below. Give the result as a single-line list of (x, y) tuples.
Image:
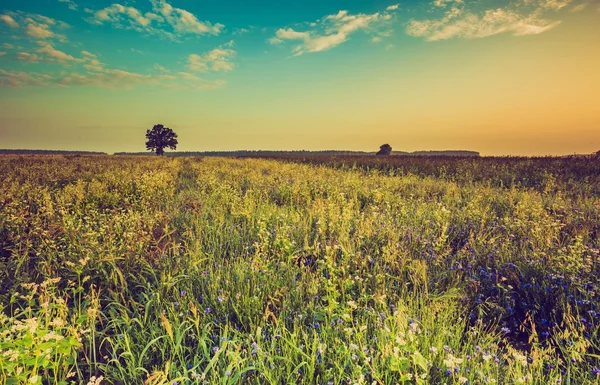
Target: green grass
[(224, 271)]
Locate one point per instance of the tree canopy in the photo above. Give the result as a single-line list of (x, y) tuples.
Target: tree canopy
[(384, 149), (160, 137)]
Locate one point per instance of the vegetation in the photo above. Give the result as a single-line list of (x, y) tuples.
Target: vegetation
[(129, 270), (48, 152), (159, 138), (302, 153), (384, 149)]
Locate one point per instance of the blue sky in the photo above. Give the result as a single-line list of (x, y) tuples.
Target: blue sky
[(303, 74)]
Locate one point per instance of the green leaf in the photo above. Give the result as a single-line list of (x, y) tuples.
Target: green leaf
[(420, 361)]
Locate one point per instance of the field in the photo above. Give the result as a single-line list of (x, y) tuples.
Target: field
[(357, 270)]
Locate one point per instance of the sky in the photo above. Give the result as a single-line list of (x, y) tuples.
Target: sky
[(518, 77)]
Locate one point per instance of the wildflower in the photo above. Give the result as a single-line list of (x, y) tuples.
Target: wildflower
[(95, 380)]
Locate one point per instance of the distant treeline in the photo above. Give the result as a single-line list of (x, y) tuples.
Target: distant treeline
[(49, 152), (438, 153), (267, 153)]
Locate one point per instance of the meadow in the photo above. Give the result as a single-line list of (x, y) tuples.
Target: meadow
[(154, 270)]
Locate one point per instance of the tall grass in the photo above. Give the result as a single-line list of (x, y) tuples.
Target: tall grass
[(205, 271)]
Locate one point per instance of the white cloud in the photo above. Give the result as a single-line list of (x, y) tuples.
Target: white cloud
[(21, 79), (444, 3), (579, 7), (290, 34), (70, 3), (160, 68), (219, 59), (100, 76), (460, 23), (183, 21), (126, 18), (518, 17), (35, 26), (242, 31), (393, 7), (330, 31), (27, 57), (38, 31), (9, 21), (554, 5), (163, 14), (51, 54)]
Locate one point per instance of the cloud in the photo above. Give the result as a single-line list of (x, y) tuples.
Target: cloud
[(462, 23), (21, 79), (160, 68), (9, 21), (70, 3), (35, 26), (127, 18), (48, 54), (38, 31), (102, 77), (2, 53), (183, 21), (219, 59), (242, 31), (549, 4), (579, 7), (444, 3), (94, 73), (27, 57), (393, 7), (163, 14), (330, 31), (55, 56)]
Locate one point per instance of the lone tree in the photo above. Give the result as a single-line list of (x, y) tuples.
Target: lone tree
[(160, 137), (385, 149)]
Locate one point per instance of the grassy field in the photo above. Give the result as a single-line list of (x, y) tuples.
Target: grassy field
[(147, 270)]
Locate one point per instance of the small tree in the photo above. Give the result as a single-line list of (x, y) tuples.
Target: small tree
[(385, 149), (160, 137)]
